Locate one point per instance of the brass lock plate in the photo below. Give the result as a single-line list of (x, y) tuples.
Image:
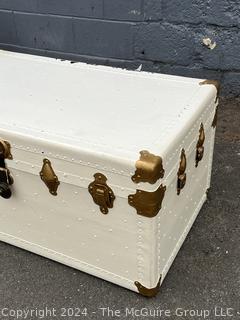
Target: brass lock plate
[(101, 193), (49, 177), (182, 176)]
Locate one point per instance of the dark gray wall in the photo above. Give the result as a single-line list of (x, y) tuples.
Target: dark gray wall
[(164, 35)]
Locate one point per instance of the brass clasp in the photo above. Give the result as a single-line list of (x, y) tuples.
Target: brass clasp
[(102, 195), (200, 147), (181, 172)]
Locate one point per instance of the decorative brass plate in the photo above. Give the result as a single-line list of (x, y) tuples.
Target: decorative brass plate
[(5, 149), (214, 83), (147, 204), (200, 147), (146, 292), (181, 181), (49, 177), (101, 193), (148, 168)]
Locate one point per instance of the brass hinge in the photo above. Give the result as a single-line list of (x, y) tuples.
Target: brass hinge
[(147, 204), (215, 83), (49, 177), (199, 146), (146, 292), (182, 176), (149, 168)]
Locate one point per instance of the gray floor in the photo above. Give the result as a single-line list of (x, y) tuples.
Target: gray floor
[(205, 274)]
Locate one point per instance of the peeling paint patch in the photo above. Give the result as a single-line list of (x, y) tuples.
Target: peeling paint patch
[(209, 43), (135, 12)]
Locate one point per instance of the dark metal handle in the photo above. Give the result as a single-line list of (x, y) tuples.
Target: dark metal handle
[(5, 190), (5, 177)]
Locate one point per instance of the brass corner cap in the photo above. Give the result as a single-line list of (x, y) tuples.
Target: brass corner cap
[(147, 204), (149, 168), (146, 292), (215, 83)]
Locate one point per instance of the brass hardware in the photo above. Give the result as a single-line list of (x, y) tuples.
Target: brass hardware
[(207, 192), (214, 123), (200, 147), (49, 177), (5, 177), (181, 172), (101, 193), (214, 83), (146, 292), (148, 168), (147, 204), (5, 181), (5, 149)]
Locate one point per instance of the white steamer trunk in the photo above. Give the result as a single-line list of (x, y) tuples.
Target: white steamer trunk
[(92, 119)]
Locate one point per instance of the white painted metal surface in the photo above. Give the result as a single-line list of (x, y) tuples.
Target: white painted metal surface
[(89, 119)]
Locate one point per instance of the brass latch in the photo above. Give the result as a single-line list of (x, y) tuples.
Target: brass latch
[(200, 147), (101, 193), (5, 177), (181, 181)]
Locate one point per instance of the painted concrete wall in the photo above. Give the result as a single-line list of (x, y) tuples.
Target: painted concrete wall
[(163, 35)]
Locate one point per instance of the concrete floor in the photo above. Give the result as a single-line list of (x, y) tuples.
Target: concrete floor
[(205, 274)]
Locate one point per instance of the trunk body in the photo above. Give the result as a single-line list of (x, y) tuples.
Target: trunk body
[(79, 124)]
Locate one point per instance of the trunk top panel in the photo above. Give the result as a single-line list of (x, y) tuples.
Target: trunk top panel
[(99, 117), (106, 110)]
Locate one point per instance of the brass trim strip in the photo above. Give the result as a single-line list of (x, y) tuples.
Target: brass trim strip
[(215, 83), (146, 292), (149, 168), (147, 204)]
